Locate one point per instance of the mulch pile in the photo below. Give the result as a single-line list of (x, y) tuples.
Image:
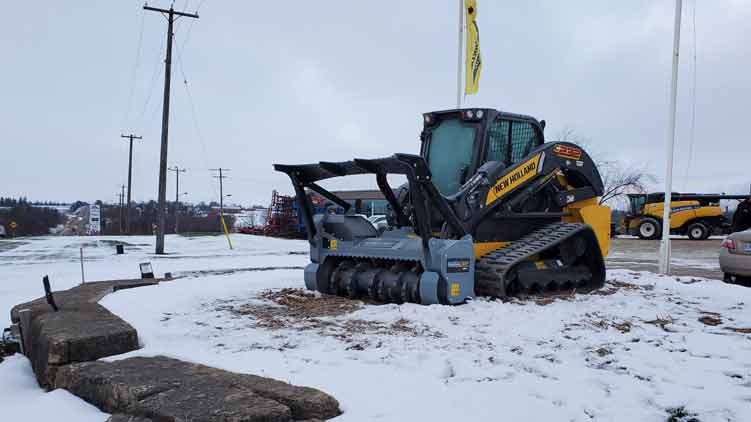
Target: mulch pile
[(301, 310)]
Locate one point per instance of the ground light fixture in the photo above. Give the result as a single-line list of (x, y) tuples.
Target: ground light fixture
[(146, 271)]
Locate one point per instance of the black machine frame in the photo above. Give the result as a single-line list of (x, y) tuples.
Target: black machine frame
[(424, 194)]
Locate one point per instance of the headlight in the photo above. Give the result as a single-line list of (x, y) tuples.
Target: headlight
[(469, 114), (427, 118), (479, 114)]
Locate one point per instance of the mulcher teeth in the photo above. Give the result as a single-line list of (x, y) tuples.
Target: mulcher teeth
[(386, 281)]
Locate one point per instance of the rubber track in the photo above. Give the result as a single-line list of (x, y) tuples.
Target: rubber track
[(492, 269)]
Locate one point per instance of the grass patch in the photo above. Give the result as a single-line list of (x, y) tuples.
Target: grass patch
[(680, 414)]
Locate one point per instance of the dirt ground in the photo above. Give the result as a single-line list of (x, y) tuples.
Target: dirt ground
[(699, 258), (303, 310)]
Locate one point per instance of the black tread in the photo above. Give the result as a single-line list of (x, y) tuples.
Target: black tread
[(492, 269)]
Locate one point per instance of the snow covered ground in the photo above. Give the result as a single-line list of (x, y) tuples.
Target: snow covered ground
[(644, 345)]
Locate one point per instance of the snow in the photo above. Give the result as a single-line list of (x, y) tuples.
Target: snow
[(630, 353), (21, 399)]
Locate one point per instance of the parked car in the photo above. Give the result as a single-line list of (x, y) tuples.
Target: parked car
[(735, 258)]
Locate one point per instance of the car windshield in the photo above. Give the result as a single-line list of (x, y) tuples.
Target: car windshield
[(450, 154)]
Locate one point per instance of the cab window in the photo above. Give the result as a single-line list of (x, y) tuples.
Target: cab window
[(450, 154), (497, 148), (523, 140), (510, 141)]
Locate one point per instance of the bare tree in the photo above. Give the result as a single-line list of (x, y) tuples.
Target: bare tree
[(617, 178)]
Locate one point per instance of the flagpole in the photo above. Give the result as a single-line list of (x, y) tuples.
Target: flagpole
[(665, 243), (459, 56)]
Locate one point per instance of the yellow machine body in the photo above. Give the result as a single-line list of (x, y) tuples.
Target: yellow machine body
[(587, 212), (695, 215), (681, 213)]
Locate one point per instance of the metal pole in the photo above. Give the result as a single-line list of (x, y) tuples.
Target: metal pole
[(665, 243), (177, 199), (83, 280), (459, 56)]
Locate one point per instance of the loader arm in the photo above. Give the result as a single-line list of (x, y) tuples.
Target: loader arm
[(414, 167)]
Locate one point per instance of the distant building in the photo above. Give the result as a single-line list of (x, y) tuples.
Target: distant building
[(368, 202), (228, 209)]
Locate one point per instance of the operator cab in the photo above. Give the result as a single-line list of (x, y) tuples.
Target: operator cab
[(449, 142), (636, 203)]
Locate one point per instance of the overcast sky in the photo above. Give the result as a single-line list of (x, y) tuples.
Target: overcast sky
[(302, 81)]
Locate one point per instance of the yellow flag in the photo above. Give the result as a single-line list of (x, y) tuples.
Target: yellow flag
[(473, 60)]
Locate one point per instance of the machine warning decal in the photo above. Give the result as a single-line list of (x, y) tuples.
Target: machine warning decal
[(566, 151), (674, 210), (454, 289), (332, 244), (516, 177)]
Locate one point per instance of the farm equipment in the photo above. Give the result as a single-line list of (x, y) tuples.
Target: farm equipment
[(696, 215), (488, 209)]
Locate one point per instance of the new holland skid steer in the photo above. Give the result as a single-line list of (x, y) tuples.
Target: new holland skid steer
[(489, 209)]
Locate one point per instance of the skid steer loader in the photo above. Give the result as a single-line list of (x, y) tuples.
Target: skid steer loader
[(488, 209)]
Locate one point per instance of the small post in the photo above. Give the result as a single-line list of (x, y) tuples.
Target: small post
[(83, 280), (226, 232), (48, 293)]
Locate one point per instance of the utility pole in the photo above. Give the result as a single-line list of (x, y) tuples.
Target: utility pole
[(665, 251), (170, 15), (221, 177), (177, 171), (122, 198), (130, 174)]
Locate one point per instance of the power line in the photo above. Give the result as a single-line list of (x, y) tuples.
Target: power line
[(152, 85), (190, 27), (170, 15), (135, 72), (692, 134), (193, 113)]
